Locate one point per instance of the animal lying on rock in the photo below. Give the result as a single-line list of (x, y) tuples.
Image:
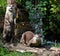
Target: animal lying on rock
[(35, 41), (29, 38), (26, 37)]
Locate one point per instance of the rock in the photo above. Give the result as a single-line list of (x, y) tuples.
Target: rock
[(52, 54), (11, 46), (21, 50), (55, 49), (38, 51)]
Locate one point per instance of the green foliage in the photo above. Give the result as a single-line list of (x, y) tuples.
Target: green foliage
[(2, 7), (21, 2), (29, 5), (35, 15), (47, 10), (50, 13), (58, 45), (55, 45), (19, 54), (53, 15), (5, 52)]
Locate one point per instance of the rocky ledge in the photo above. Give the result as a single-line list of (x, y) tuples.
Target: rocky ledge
[(53, 51)]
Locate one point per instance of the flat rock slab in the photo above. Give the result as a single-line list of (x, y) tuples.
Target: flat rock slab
[(39, 51)]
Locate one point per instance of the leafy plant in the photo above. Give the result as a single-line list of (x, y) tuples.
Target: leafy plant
[(2, 7), (35, 15), (49, 12)]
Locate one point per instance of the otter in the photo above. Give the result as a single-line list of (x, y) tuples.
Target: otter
[(29, 38)]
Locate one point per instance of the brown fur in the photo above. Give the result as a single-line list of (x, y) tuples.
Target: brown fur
[(29, 38), (26, 37), (9, 24), (35, 41)]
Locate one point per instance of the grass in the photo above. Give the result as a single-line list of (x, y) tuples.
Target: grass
[(19, 54), (52, 44), (57, 45), (5, 52)]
